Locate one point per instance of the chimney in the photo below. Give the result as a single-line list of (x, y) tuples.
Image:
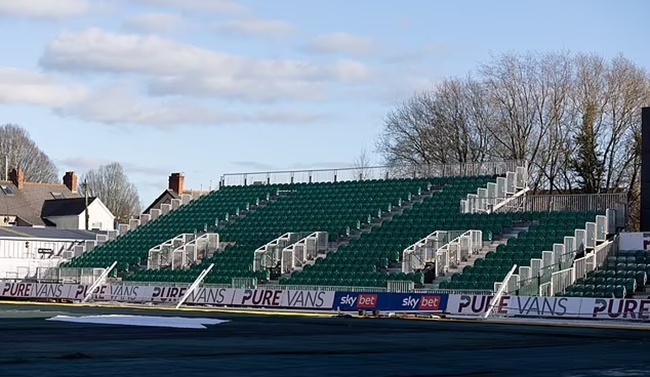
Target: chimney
[(177, 183), (71, 181), (18, 178)]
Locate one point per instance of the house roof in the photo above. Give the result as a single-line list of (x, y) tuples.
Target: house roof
[(165, 197), (27, 203), (48, 233), (65, 206)]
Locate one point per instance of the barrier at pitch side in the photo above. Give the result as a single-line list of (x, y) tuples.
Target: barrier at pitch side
[(398, 302), (469, 305), (552, 307), (320, 300)]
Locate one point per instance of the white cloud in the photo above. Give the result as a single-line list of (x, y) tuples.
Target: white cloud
[(97, 50), (176, 68), (82, 163), (154, 22), (85, 163), (340, 43), (117, 106), (261, 166), (392, 90), (257, 28), (217, 6), (46, 9), (350, 71), (21, 86), (254, 165), (416, 55), (251, 90)]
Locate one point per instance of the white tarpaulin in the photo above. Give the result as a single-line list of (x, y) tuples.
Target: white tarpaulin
[(136, 320)]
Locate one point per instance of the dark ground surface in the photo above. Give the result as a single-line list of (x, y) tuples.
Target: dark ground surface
[(295, 346)]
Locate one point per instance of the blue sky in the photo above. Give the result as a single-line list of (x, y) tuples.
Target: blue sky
[(209, 87)]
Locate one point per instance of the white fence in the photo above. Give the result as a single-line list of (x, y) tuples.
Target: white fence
[(182, 250), (496, 195), (76, 275), (416, 256), (457, 250), (306, 250)]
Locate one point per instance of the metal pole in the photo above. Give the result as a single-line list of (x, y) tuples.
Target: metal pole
[(99, 281), (497, 297), (194, 285), (85, 185)]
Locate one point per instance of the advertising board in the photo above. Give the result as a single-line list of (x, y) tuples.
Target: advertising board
[(634, 241), (471, 305), (167, 294), (403, 302), (552, 307), (284, 298)]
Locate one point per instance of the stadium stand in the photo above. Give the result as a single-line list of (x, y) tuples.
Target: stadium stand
[(247, 217), (369, 225)]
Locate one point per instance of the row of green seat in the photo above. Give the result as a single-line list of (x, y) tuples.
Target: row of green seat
[(615, 271), (387, 242), (550, 228), (132, 247)]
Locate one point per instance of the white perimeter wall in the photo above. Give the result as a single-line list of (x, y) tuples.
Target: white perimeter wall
[(19, 257), (15, 268)]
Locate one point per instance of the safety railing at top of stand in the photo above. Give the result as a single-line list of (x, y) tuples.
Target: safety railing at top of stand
[(371, 173)]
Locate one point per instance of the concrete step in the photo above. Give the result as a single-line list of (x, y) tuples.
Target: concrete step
[(377, 223), (492, 246)]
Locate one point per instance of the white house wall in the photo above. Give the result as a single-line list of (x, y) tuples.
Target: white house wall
[(99, 214)]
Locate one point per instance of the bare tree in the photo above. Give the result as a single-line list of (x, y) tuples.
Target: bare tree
[(575, 118), (361, 165), (441, 126), (530, 95), (18, 150), (111, 185)]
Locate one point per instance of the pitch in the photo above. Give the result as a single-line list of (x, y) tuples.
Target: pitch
[(256, 345)]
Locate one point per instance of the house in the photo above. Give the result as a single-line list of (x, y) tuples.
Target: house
[(175, 188), (70, 213), (39, 204)]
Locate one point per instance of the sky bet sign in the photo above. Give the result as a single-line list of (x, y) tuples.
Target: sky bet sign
[(353, 301)]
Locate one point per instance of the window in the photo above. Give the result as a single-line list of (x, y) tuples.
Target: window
[(6, 190), (57, 195)]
